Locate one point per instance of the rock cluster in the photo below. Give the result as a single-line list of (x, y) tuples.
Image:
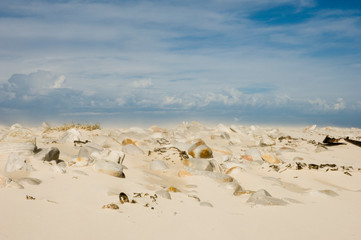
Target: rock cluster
[(168, 158)]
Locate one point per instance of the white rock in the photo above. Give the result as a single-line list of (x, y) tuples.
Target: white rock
[(107, 142), (164, 194), (199, 164), (205, 204), (86, 151), (132, 149), (80, 161), (59, 168), (266, 141), (70, 136), (26, 147), (254, 153), (200, 150), (158, 165), (18, 139), (115, 156), (109, 155), (262, 197), (17, 162), (109, 168)]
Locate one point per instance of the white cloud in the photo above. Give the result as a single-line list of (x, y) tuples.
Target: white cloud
[(144, 83), (170, 100), (340, 105), (323, 105), (59, 82)]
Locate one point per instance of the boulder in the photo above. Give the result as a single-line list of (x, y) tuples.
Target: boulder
[(48, 154), (266, 141), (17, 162), (110, 168), (270, 158), (70, 136), (18, 139), (108, 155), (200, 150), (130, 147), (253, 154)]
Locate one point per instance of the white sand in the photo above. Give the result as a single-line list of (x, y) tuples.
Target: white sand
[(321, 204)]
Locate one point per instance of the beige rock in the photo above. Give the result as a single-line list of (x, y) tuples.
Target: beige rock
[(200, 150), (110, 168), (184, 173), (270, 158)]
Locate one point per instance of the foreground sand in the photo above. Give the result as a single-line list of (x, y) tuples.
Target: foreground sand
[(316, 189)]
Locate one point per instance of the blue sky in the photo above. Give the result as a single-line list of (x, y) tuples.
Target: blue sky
[(149, 62)]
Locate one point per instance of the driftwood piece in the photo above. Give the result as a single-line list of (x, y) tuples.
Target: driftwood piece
[(328, 141), (355, 142)]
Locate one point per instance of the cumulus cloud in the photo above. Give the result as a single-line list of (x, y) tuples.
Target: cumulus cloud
[(324, 105), (59, 82)]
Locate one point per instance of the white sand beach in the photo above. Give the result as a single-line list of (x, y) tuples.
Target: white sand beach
[(191, 181)]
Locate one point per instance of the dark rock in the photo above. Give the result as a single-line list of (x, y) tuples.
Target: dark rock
[(52, 154)]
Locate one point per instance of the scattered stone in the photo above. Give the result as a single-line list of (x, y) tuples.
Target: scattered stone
[(275, 167), (195, 197), (329, 192), (109, 168), (270, 158), (51, 154), (59, 167), (70, 136), (247, 157), (173, 189), (123, 198), (266, 141), (104, 142), (129, 147), (200, 150), (313, 166), (331, 165), (111, 206), (28, 197), (300, 165), (80, 143), (28, 180), (108, 155), (184, 173), (205, 204), (262, 197), (254, 153), (10, 183), (164, 194), (17, 162), (158, 165)]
